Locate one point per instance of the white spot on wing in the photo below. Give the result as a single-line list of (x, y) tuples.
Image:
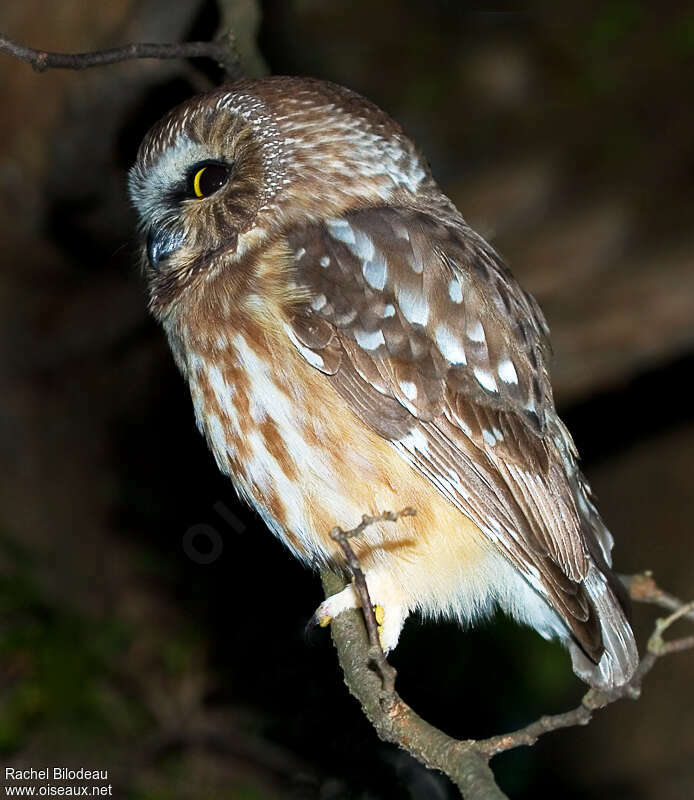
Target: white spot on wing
[(416, 265), (254, 302), (409, 389), (415, 441), (449, 345), (375, 272), (363, 247), (507, 372), (484, 379), (369, 340), (318, 302), (488, 437), (455, 291), (325, 261), (341, 230), (413, 305), (475, 332)]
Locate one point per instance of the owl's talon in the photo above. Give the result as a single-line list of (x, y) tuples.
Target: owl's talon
[(380, 614), (389, 624)]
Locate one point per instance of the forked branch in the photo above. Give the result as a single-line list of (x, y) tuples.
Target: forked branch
[(466, 762)]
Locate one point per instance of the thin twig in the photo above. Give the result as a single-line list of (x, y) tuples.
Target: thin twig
[(376, 654), (643, 589), (467, 762), (678, 645), (656, 643), (223, 51)]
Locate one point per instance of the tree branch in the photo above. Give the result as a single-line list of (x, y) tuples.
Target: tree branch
[(223, 51), (371, 680), (398, 723), (643, 589), (376, 654)]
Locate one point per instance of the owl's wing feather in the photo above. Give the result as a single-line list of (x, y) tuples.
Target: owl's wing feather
[(434, 346)]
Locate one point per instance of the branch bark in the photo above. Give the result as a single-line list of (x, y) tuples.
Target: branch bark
[(399, 724), (223, 51), (370, 679)]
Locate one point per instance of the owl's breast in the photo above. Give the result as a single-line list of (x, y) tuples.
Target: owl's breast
[(303, 459), (274, 431)]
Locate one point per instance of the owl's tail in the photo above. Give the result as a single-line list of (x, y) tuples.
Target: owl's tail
[(605, 591), (620, 657)]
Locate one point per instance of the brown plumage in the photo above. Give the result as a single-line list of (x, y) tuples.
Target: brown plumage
[(352, 345)]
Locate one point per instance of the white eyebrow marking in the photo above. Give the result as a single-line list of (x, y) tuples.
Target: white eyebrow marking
[(507, 372)]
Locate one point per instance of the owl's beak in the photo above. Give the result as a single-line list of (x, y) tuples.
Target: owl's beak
[(161, 243)]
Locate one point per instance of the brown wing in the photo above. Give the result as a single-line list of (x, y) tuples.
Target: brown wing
[(435, 346)]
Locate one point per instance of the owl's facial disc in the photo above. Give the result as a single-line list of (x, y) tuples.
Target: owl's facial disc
[(202, 180), (201, 177)]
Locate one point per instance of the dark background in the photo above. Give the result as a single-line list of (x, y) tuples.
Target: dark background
[(565, 134)]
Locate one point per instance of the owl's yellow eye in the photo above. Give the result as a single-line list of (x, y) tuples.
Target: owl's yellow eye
[(208, 179)]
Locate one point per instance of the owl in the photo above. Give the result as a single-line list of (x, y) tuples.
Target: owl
[(352, 345)]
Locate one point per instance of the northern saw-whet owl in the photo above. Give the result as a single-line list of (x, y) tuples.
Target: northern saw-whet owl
[(352, 345)]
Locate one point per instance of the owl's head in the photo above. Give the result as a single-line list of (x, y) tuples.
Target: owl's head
[(227, 172)]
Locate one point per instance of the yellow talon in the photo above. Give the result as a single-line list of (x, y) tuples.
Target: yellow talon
[(325, 621), (380, 614)]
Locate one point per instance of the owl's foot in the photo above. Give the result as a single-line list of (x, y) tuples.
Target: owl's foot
[(336, 604), (390, 621), (390, 615)]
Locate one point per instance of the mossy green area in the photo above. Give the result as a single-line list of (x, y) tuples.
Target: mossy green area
[(61, 669)]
